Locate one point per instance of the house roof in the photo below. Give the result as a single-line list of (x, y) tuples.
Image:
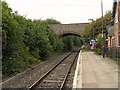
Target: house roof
[(113, 9)]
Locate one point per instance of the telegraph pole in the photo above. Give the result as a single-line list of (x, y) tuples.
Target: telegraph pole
[(102, 27)]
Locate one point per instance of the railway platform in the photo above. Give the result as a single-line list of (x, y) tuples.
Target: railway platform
[(96, 72)]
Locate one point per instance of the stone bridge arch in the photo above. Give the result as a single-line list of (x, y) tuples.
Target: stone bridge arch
[(68, 29)]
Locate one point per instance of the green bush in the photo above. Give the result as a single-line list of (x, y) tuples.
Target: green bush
[(99, 44)]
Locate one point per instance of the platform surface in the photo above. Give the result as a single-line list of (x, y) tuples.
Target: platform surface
[(96, 72)]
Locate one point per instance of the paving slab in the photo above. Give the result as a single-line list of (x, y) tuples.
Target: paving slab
[(96, 72)]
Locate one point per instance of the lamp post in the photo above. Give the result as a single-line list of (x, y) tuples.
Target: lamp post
[(102, 26), (92, 27), (92, 42)]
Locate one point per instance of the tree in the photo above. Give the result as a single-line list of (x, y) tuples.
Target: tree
[(51, 21), (88, 32), (12, 41)]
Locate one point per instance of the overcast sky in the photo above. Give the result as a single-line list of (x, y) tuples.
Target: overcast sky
[(65, 11)]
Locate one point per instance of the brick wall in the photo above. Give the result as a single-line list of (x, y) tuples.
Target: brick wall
[(110, 42), (119, 19), (116, 28)]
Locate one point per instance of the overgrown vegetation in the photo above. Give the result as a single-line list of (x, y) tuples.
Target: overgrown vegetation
[(26, 42), (88, 32), (99, 44)]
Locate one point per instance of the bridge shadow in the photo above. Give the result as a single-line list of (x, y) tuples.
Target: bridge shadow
[(67, 34)]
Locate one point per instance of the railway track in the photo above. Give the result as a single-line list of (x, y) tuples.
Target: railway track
[(57, 75)]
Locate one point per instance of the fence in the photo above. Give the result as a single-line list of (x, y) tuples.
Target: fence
[(113, 53)]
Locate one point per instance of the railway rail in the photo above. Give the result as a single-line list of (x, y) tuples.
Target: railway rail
[(56, 77)]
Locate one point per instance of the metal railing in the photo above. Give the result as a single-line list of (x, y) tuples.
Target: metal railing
[(113, 53)]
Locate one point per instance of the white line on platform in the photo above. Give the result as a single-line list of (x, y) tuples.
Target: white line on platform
[(76, 73)]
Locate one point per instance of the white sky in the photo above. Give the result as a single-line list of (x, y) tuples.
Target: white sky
[(65, 11)]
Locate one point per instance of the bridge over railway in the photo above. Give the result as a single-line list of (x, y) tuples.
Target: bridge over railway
[(68, 29)]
